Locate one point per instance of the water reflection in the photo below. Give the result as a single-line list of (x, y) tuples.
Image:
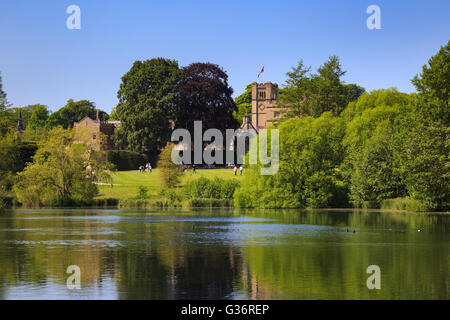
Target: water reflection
[(223, 254)]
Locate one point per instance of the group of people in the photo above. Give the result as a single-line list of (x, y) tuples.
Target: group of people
[(241, 168), (148, 167)]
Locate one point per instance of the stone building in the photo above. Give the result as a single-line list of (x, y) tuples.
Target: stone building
[(264, 101), (97, 131)]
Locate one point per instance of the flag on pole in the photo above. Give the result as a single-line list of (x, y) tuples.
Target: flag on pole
[(262, 70)]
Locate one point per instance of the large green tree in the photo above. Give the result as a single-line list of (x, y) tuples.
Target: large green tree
[(147, 101), (310, 94), (425, 141), (62, 173), (38, 117), (370, 165), (204, 94), (310, 153)]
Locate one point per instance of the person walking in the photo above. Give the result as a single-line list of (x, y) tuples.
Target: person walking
[(235, 170), (240, 169)]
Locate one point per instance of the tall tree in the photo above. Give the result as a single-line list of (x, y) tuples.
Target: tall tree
[(204, 94), (147, 101), (425, 140), (38, 117), (309, 94)]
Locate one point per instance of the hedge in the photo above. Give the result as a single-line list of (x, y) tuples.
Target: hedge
[(125, 160)]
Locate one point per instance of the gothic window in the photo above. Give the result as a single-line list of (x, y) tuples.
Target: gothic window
[(276, 114), (94, 137), (262, 94)]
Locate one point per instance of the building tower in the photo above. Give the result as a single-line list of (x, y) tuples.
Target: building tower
[(20, 122), (264, 100)]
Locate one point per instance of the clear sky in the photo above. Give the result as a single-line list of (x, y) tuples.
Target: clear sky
[(41, 61)]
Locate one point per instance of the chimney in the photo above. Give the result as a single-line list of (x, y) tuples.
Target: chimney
[(99, 115)]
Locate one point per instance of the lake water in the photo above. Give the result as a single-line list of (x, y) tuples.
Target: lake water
[(223, 254)]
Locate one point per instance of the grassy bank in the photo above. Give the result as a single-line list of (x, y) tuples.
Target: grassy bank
[(126, 184)]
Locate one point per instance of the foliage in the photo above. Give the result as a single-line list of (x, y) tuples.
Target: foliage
[(3, 101), (147, 99), (216, 188), (243, 104), (424, 141), (15, 153), (383, 97), (204, 94), (5, 122), (142, 192), (73, 111), (170, 173), (125, 160), (38, 117), (406, 203), (374, 175), (308, 176), (370, 166), (308, 94), (62, 173)]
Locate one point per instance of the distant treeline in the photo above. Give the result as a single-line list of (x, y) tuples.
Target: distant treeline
[(339, 145)]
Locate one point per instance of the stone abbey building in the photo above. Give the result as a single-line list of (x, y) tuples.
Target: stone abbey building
[(97, 129), (264, 101), (264, 113)]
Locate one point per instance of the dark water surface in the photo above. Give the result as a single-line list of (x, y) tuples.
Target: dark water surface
[(223, 254)]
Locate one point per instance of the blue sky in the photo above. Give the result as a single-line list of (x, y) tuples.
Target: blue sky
[(41, 61)]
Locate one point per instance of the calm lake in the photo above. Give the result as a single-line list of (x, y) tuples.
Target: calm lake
[(223, 254)]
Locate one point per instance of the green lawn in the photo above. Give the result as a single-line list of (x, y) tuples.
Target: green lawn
[(126, 183)]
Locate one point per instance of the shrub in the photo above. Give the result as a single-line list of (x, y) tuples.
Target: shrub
[(142, 192), (216, 188), (406, 203), (170, 172)]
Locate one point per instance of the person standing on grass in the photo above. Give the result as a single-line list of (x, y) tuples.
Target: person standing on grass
[(193, 169), (235, 170), (149, 167), (240, 169)]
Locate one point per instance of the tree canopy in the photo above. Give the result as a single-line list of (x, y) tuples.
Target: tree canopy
[(147, 101), (310, 94), (38, 117), (61, 172), (424, 141), (308, 176), (204, 94), (243, 104), (72, 112)]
